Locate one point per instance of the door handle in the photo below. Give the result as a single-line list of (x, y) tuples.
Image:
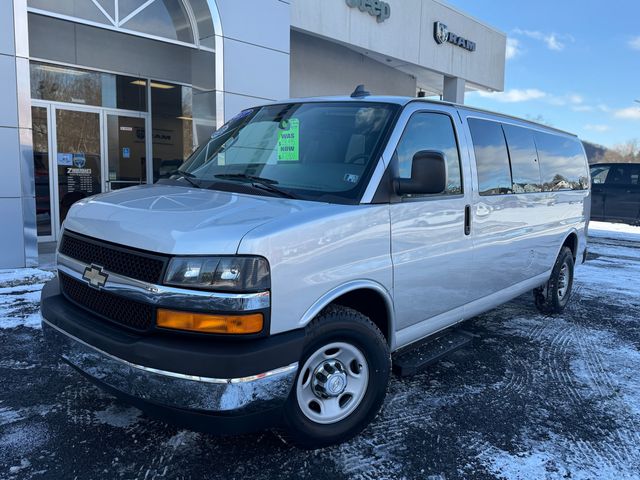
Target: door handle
[(467, 219)]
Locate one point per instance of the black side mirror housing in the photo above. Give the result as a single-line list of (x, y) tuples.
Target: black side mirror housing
[(428, 175)]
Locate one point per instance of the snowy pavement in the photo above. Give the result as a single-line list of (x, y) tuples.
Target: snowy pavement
[(534, 397)]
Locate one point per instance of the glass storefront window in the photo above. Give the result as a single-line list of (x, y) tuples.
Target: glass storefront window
[(166, 19), (72, 85), (172, 121), (163, 18), (41, 170), (84, 9), (109, 6), (108, 130), (127, 7)]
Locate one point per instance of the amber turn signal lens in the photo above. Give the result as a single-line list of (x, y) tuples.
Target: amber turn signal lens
[(202, 322)]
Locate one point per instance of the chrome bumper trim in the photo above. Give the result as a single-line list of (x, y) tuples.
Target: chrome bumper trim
[(163, 296), (231, 395)]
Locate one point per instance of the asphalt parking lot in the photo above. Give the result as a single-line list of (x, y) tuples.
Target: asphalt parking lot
[(534, 397)]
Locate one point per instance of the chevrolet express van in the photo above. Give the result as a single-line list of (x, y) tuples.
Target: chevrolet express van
[(273, 278)]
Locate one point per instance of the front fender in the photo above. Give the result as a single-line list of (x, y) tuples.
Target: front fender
[(351, 286)]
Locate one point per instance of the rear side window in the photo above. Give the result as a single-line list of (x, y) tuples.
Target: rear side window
[(619, 175), (635, 174), (430, 131), (623, 174), (524, 159), (599, 174), (492, 158), (562, 163)]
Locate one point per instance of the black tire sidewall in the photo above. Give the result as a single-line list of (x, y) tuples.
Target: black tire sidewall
[(334, 326), (565, 257)]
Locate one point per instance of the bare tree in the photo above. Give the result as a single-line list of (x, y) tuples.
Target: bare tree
[(629, 151)]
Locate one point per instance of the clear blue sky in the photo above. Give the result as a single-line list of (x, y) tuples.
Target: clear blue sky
[(572, 64)]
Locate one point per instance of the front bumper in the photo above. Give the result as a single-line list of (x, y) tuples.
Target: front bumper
[(180, 374), (259, 392)]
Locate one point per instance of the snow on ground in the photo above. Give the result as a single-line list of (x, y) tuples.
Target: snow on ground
[(535, 397), (20, 296), (616, 231)]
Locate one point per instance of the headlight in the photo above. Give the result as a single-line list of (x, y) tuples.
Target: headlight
[(234, 274)]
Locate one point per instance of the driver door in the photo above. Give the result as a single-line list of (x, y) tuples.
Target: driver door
[(431, 251)]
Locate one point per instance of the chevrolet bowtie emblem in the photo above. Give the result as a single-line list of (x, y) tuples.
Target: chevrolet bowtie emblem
[(94, 276)]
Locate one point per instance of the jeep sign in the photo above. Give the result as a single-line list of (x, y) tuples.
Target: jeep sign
[(376, 8)]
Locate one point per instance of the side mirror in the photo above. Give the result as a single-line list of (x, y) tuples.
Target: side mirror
[(428, 175)]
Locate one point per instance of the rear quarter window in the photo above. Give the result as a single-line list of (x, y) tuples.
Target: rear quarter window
[(563, 165), (525, 167)]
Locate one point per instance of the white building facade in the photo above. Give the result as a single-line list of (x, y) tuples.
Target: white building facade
[(99, 95)]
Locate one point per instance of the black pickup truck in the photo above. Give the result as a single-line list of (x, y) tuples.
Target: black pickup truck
[(615, 190)]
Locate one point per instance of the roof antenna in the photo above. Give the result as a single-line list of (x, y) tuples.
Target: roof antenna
[(360, 92), (422, 94)]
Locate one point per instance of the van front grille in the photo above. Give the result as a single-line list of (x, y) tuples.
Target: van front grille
[(125, 312), (124, 261)]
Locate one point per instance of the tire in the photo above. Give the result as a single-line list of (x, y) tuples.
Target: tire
[(553, 296), (317, 413)]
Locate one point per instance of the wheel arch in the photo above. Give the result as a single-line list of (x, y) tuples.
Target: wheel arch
[(571, 240), (365, 296)]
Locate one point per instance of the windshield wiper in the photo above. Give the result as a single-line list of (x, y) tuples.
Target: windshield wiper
[(188, 177), (257, 182)]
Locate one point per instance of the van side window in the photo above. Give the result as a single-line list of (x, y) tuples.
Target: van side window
[(492, 159), (563, 165), (525, 168), (430, 131)]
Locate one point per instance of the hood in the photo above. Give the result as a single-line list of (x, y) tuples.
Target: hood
[(177, 220)]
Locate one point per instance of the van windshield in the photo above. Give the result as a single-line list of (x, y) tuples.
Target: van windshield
[(313, 151)]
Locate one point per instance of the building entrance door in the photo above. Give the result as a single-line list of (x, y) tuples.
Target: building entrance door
[(78, 157), (126, 151), (82, 151)]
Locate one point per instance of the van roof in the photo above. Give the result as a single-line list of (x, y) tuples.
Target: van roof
[(403, 101)]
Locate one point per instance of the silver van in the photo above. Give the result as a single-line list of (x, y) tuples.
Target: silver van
[(273, 279)]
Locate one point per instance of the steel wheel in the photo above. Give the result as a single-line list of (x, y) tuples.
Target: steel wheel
[(553, 296), (332, 383), (563, 280)]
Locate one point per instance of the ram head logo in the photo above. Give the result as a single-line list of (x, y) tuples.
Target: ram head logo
[(440, 32)]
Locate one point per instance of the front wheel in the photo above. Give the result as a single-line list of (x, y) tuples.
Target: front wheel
[(553, 296), (342, 382)]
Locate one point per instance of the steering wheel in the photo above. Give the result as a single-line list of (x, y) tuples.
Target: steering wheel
[(355, 158)]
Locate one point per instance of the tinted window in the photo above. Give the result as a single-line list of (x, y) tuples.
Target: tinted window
[(619, 175), (624, 174), (635, 174), (431, 131), (72, 85), (562, 162), (599, 173), (492, 159), (524, 159)]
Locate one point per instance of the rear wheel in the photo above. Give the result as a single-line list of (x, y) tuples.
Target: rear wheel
[(553, 296), (342, 382)]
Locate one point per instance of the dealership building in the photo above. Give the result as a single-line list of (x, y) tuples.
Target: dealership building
[(99, 95)]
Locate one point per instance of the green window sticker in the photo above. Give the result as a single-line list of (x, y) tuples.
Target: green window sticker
[(289, 141)]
